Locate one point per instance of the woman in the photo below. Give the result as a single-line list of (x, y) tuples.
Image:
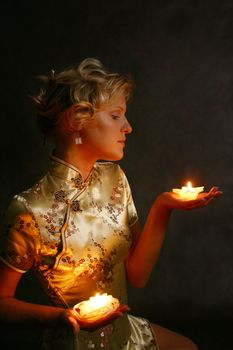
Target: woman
[(77, 228)]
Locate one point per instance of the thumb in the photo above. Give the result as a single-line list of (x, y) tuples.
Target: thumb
[(72, 322)]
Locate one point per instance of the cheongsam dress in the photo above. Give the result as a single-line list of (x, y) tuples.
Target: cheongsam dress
[(75, 235)]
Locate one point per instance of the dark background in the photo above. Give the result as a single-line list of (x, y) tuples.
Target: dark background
[(181, 56)]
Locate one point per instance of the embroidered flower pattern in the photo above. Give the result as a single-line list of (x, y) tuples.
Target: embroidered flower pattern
[(84, 240), (60, 196)]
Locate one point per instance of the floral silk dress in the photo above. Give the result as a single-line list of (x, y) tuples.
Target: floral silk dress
[(75, 235)]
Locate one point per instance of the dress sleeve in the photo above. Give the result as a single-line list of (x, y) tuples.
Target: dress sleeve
[(19, 236)]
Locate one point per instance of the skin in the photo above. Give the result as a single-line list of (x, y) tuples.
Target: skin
[(104, 139)]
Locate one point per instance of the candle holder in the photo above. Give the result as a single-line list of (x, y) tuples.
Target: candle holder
[(96, 308), (188, 192)]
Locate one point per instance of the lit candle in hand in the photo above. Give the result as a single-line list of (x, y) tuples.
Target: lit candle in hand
[(97, 307), (188, 192)]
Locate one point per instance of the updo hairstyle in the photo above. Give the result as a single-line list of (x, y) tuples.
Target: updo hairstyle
[(80, 90)]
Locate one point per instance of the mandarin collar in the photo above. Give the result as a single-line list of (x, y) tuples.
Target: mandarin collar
[(70, 173)]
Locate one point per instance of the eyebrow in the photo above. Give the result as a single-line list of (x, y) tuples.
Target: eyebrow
[(118, 108)]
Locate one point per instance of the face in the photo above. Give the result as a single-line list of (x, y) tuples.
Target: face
[(106, 138)]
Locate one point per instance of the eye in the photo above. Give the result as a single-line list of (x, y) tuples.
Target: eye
[(115, 116)]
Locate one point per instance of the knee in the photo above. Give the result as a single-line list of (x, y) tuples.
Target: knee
[(185, 344), (192, 346)]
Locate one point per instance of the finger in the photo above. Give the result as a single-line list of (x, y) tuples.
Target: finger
[(213, 189), (73, 324), (208, 200), (203, 203), (193, 203), (213, 195), (215, 192), (218, 194), (197, 204), (106, 320), (95, 325), (123, 308), (212, 192), (69, 317), (115, 315)]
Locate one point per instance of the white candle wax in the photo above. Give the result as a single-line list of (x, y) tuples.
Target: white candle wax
[(188, 192), (96, 307)]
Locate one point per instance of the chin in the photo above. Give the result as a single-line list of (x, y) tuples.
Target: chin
[(114, 157)]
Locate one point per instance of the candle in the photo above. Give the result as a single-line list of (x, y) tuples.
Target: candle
[(188, 192), (96, 307)]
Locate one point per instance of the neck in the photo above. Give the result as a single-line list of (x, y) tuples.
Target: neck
[(76, 158)]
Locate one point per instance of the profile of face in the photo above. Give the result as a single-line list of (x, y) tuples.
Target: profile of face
[(106, 138)]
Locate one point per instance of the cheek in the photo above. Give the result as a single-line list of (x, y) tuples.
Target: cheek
[(98, 139), (104, 133)]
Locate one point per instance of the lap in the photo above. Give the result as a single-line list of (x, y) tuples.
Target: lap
[(170, 340)]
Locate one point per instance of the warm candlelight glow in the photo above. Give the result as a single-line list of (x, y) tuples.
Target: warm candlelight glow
[(96, 307), (188, 192)]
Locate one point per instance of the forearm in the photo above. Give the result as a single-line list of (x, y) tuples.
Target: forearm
[(146, 251), (20, 313)]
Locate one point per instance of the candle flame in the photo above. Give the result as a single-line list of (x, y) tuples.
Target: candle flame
[(188, 192), (99, 300), (96, 307)]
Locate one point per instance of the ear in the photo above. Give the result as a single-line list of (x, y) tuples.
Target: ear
[(78, 126), (73, 123)]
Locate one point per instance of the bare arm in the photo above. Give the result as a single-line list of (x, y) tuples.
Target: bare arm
[(20, 313), (146, 249)]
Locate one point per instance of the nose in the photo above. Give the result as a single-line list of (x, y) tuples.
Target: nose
[(126, 127)]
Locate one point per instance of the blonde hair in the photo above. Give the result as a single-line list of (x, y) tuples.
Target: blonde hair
[(80, 90)]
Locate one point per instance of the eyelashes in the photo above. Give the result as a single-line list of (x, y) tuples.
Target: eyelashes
[(115, 117)]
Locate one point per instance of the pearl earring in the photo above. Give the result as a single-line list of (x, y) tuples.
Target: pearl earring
[(78, 140)]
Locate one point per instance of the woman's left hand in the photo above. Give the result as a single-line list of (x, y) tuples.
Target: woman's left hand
[(171, 200), (92, 326)]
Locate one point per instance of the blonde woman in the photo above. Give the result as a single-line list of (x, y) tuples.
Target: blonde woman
[(77, 229)]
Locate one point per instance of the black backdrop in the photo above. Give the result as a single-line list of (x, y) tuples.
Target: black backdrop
[(180, 53)]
